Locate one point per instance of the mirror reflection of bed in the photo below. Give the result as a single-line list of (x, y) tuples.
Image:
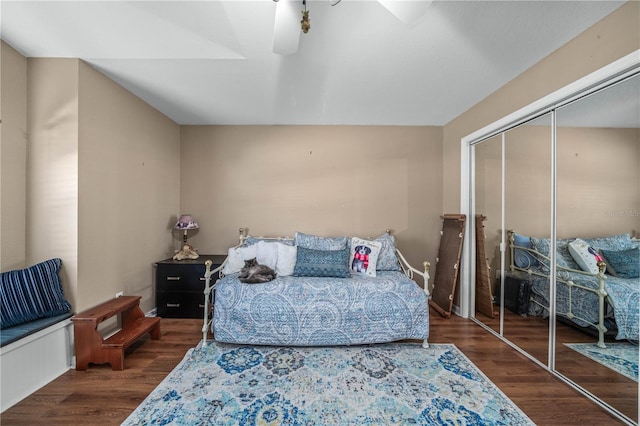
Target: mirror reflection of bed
[(593, 193)]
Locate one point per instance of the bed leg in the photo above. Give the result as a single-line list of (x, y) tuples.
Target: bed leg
[(601, 330), (425, 344), (204, 335)]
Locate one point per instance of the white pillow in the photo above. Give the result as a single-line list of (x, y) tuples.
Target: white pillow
[(286, 259), (236, 258), (267, 253), (579, 250), (363, 256)]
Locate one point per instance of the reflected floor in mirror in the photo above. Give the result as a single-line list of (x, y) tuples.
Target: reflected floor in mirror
[(531, 335)]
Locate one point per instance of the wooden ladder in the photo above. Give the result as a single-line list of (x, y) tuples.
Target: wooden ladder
[(89, 343)]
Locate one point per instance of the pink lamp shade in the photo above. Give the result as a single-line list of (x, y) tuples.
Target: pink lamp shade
[(185, 224), (186, 221)]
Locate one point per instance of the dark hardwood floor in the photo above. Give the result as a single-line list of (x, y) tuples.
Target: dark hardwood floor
[(530, 333), (100, 396)]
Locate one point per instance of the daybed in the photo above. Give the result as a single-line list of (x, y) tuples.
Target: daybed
[(328, 291), (597, 284), (36, 331)]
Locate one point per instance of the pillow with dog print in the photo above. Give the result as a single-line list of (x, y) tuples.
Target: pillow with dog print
[(363, 256)]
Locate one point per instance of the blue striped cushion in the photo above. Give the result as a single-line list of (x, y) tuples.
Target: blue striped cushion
[(32, 293)]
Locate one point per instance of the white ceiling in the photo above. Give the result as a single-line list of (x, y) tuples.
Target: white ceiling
[(211, 62)]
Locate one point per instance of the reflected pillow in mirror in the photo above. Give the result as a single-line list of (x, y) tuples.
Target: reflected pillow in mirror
[(611, 242), (584, 257), (522, 258), (563, 257), (623, 263)]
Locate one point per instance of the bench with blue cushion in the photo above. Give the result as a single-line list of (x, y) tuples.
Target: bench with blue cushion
[(31, 300), (17, 332)]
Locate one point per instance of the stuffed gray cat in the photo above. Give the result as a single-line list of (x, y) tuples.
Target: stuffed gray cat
[(253, 272)]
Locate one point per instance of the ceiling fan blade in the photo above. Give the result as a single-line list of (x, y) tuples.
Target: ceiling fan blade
[(286, 30), (406, 11)]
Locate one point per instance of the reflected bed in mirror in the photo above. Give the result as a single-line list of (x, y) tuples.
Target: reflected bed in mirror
[(585, 295)]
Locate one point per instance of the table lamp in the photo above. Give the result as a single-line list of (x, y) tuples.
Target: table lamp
[(185, 223)]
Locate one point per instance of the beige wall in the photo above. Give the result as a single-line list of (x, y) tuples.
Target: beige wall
[(13, 157), (103, 173), (52, 166), (327, 180), (608, 40), (128, 190), (597, 189)]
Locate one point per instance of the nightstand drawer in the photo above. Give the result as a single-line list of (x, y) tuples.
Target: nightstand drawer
[(180, 278), (180, 305)]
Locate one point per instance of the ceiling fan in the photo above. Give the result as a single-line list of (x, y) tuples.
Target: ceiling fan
[(288, 25)]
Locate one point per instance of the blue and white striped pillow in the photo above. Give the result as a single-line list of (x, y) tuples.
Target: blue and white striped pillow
[(32, 293)]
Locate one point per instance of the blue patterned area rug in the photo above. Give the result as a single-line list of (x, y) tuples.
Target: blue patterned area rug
[(389, 384), (621, 357)]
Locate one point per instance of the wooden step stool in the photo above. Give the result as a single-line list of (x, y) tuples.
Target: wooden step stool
[(92, 348)]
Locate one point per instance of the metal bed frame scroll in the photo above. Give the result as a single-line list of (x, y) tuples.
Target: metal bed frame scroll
[(571, 285), (209, 288)]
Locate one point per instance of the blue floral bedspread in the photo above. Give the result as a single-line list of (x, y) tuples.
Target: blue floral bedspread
[(313, 311), (622, 294)]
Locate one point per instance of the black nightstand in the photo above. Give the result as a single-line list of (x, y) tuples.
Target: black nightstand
[(180, 286)]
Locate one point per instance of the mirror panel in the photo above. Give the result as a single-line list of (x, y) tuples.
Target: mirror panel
[(598, 195), (528, 213), (488, 202)]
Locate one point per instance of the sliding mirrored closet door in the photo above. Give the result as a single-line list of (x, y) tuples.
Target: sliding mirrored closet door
[(548, 178), (598, 191)]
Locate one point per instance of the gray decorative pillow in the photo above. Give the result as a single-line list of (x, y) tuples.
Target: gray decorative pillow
[(315, 242), (322, 263), (387, 260)]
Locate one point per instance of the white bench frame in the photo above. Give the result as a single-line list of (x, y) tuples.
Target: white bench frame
[(30, 363)]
